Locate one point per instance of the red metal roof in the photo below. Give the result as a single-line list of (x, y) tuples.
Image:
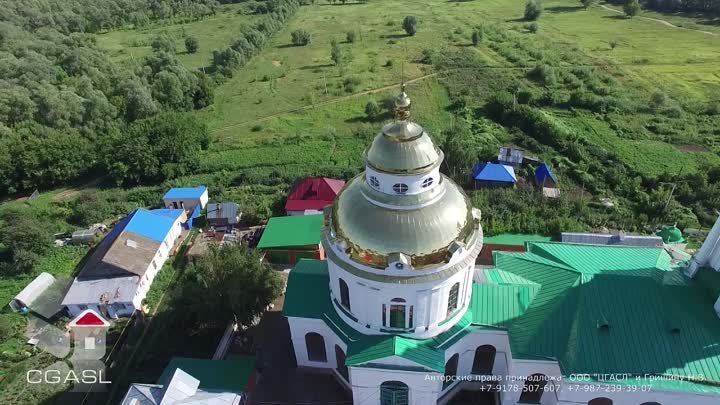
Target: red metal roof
[(314, 193)]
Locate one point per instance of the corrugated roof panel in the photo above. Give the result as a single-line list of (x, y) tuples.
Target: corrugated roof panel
[(180, 193), (299, 230), (149, 225)]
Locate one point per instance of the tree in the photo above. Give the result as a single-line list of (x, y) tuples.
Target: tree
[(231, 282), (631, 8), (350, 36), (373, 110), (163, 43), (23, 240), (410, 25), (533, 27), (533, 10), (191, 44), (300, 37), (658, 100), (588, 3)]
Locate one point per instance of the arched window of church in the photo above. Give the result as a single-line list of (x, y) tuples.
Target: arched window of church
[(400, 188), (340, 359), (394, 393), (315, 345), (601, 401), (397, 313), (344, 294), (453, 298), (374, 182), (427, 182), (533, 390), (451, 368), (484, 360)]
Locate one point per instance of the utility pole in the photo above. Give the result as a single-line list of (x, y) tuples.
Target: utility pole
[(672, 191)]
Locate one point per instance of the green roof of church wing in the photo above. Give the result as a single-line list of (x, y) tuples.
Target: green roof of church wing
[(297, 230), (514, 239), (554, 300), (231, 374), (607, 310)]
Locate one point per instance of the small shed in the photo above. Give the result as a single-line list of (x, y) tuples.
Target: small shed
[(546, 181), (289, 239), (85, 235), (506, 242), (24, 299), (493, 175), (312, 195), (223, 216), (190, 199), (511, 156)]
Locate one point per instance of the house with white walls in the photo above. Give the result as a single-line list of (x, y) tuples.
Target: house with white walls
[(395, 313), (118, 274)]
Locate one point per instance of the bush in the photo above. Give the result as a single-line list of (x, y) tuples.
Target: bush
[(532, 27), (410, 25), (544, 74), (477, 37), (300, 37), (658, 100), (191, 44), (351, 84), (533, 10), (350, 36), (163, 43), (428, 56)]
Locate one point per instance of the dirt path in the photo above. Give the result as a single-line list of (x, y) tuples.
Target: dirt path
[(323, 103), (663, 22)]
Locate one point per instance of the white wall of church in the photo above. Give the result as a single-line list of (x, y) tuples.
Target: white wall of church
[(299, 327), (424, 388), (429, 301)]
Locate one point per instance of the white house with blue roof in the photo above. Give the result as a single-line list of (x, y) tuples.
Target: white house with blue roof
[(117, 276), (190, 199)]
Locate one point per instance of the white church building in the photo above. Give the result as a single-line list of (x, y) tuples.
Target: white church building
[(399, 314)]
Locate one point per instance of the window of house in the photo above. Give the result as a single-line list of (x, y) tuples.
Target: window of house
[(451, 368), (344, 294), (533, 390), (400, 188), (453, 298), (374, 182), (427, 182), (340, 360), (384, 315), (601, 401), (484, 360), (315, 345), (394, 393)]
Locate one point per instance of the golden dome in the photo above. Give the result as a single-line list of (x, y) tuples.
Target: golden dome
[(423, 226)]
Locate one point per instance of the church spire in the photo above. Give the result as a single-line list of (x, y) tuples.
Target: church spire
[(402, 105)]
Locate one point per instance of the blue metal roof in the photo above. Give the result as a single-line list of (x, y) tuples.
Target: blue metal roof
[(494, 172), (542, 172), (149, 225), (180, 193), (171, 213)]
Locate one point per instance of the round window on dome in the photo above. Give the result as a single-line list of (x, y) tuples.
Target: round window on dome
[(400, 188), (374, 182), (427, 182)]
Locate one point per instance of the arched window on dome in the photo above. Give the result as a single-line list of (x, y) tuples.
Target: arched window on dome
[(453, 298), (374, 182), (427, 182), (400, 188), (344, 294)]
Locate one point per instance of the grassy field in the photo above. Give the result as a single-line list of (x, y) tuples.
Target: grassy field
[(130, 45)]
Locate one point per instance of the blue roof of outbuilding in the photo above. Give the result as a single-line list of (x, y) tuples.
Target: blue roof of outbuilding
[(542, 172), (494, 172), (171, 213), (185, 192), (149, 225)]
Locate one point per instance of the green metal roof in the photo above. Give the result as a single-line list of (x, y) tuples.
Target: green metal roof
[(231, 374), (298, 230), (553, 300), (658, 321), (514, 239)]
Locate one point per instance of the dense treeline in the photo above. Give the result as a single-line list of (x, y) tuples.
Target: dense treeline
[(708, 7), (252, 39)]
